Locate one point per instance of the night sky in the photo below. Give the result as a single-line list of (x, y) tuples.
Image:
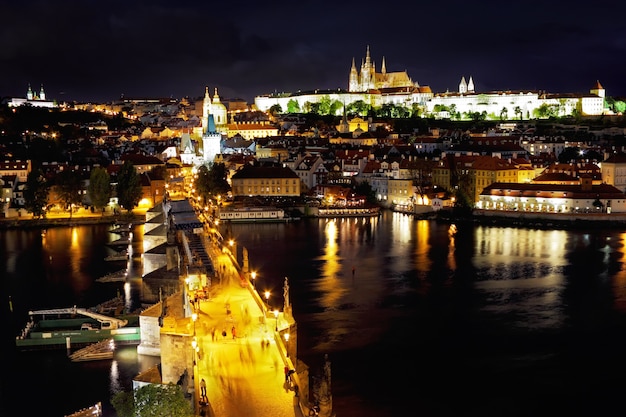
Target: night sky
[(87, 50)]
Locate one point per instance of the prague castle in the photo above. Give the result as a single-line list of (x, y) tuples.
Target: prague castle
[(397, 88)]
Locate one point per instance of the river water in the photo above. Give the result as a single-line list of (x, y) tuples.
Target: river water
[(436, 320)]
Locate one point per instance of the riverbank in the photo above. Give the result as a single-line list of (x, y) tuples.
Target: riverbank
[(65, 220), (536, 220)]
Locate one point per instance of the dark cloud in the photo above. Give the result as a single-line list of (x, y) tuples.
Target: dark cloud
[(89, 50)]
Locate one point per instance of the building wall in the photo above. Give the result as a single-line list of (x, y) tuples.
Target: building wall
[(268, 187)]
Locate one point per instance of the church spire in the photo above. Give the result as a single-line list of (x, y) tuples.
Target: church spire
[(206, 110), (384, 67), (463, 86), (353, 79)]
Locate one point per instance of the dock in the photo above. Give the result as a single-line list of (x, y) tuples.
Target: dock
[(97, 351)]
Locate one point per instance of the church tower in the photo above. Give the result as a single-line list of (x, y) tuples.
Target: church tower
[(367, 72), (211, 141), (470, 85), (220, 114), (187, 149), (463, 86), (353, 81), (598, 90), (206, 110), (29, 94), (42, 94)]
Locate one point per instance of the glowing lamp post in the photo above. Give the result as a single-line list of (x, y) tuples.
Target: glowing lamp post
[(276, 316), (253, 276), (267, 299)]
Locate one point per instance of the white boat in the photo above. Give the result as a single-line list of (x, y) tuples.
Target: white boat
[(253, 214)]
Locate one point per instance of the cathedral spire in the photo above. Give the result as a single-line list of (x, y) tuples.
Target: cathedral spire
[(206, 109), (384, 67), (463, 86)]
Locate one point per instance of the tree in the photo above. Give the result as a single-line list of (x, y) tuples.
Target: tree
[(275, 109), (569, 154), (293, 106), (154, 401), (364, 188), (212, 181), (359, 107), (324, 105), (335, 107), (518, 112), (128, 188), (124, 404), (99, 189), (68, 188), (36, 193), (464, 201)]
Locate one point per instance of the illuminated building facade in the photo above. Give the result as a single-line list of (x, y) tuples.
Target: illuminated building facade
[(32, 99)]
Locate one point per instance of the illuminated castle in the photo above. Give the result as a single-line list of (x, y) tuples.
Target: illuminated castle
[(377, 89), (368, 79)]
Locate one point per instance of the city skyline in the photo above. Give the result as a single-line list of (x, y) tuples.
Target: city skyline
[(164, 49)]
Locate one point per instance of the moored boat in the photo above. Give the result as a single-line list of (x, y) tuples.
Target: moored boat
[(349, 212), (254, 214), (75, 327)]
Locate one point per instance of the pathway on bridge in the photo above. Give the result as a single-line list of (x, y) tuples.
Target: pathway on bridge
[(243, 375)]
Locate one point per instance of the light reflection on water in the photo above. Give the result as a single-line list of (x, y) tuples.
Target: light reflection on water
[(446, 299), (491, 276)]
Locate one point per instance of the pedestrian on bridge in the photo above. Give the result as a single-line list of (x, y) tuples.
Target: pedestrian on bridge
[(203, 389)]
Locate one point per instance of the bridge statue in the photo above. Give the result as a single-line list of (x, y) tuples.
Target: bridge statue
[(287, 306)]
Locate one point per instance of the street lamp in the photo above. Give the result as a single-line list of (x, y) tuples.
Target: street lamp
[(267, 299), (276, 315), (253, 276)]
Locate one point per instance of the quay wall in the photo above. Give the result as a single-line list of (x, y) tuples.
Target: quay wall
[(533, 219)]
